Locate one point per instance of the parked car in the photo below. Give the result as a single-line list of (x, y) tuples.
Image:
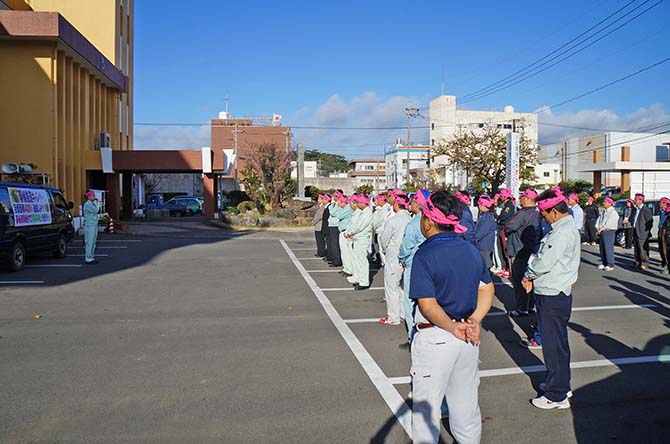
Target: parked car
[(183, 206), (33, 219), (610, 191), (652, 204)]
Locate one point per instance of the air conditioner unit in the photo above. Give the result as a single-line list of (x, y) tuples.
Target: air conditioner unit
[(105, 140)]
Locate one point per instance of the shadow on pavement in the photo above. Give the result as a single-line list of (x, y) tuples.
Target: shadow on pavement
[(638, 294)]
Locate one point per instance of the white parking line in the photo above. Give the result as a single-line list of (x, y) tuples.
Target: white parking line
[(323, 271), (540, 368), (361, 321), (309, 258), (20, 282), (390, 395), (349, 289), (303, 249), (54, 266)]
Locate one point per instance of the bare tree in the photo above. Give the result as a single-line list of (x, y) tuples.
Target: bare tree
[(483, 154), (151, 183), (266, 174)]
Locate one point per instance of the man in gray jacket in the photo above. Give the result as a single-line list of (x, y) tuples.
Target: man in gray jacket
[(551, 273), (643, 220)]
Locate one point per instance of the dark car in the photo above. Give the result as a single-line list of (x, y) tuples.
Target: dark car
[(183, 206), (33, 219)]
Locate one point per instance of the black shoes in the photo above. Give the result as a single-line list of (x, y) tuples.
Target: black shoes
[(361, 287)]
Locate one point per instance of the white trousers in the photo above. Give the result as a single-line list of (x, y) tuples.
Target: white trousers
[(360, 264), (379, 247), (392, 289), (444, 365), (346, 252)]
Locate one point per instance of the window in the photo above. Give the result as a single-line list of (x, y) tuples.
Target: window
[(481, 125), (369, 167), (5, 203), (507, 126), (546, 174), (432, 142), (432, 126), (59, 201), (404, 161), (499, 126)]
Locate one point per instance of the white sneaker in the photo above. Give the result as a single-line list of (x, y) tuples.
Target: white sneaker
[(601, 267), (351, 280), (543, 386), (585, 243), (608, 268), (545, 404)]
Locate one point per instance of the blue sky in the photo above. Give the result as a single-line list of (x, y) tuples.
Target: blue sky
[(359, 63)]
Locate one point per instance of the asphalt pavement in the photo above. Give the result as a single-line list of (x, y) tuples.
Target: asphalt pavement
[(211, 336)]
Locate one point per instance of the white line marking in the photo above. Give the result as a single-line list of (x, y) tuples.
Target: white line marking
[(361, 321), (115, 247), (303, 249), (54, 266), (613, 307), (83, 255), (393, 399), (541, 368), (322, 271), (20, 282), (309, 258), (349, 289)]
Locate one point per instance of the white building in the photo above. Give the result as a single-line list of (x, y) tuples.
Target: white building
[(396, 164), (310, 169), (368, 172), (547, 174), (446, 121)]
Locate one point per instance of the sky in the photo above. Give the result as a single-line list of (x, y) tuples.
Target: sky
[(359, 63)]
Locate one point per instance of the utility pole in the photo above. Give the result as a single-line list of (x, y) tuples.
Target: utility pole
[(301, 170), (410, 112)]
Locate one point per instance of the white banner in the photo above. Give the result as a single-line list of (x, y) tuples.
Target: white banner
[(31, 206), (512, 166)]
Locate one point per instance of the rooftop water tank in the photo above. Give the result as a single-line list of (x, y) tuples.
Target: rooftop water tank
[(509, 109)]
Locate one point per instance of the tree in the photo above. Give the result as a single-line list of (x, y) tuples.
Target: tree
[(266, 174), (365, 188), (482, 154), (328, 163)]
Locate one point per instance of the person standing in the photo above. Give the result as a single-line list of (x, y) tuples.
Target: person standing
[(333, 250), (643, 220), (523, 233), (467, 220), (577, 213), (345, 214), (666, 230), (359, 233), (91, 210), (324, 223), (551, 274), (507, 210), (317, 221), (663, 203), (628, 223), (485, 229), (410, 244), (607, 224), (591, 215), (390, 242), (383, 210), (453, 291)]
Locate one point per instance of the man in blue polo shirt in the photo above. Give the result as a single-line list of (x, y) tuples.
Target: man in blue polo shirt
[(453, 291)]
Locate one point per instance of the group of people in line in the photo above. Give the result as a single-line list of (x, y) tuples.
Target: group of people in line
[(438, 265)]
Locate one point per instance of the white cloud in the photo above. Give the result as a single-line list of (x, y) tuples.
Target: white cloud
[(598, 119), (171, 137)]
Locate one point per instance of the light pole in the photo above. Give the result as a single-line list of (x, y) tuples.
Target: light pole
[(410, 112)]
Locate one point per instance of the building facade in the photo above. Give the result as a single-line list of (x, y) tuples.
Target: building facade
[(310, 169), (368, 172), (66, 88), (446, 120), (396, 164)]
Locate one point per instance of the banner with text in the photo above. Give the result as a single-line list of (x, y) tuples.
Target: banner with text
[(31, 206)]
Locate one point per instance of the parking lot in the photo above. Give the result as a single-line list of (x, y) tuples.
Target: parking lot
[(212, 337)]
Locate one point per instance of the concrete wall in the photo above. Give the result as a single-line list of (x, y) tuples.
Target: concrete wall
[(347, 185)]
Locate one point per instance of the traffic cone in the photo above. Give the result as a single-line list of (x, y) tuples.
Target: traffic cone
[(110, 229)]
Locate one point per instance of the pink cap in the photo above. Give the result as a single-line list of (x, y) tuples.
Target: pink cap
[(437, 216), (574, 197), (343, 199), (89, 193), (380, 198), (529, 193), (401, 200), (496, 196), (544, 205), (609, 200), (505, 193), (362, 198), (485, 201), (462, 197), (665, 200), (639, 196), (326, 197), (590, 199), (393, 192)]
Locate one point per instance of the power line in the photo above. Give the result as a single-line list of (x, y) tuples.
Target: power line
[(522, 76)]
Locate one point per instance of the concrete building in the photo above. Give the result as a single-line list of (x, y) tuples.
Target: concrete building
[(248, 134), (66, 86), (396, 163), (311, 168), (368, 172), (547, 174), (446, 121), (639, 162)]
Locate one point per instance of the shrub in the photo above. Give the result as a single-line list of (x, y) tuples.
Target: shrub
[(235, 197), (232, 210), (246, 206)]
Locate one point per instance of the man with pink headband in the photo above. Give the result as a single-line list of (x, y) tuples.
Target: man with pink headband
[(333, 255), (664, 204), (591, 215), (643, 221), (391, 240), (382, 212), (453, 291), (607, 224), (551, 274), (506, 213), (666, 231), (359, 232), (91, 209), (576, 212), (485, 229)]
